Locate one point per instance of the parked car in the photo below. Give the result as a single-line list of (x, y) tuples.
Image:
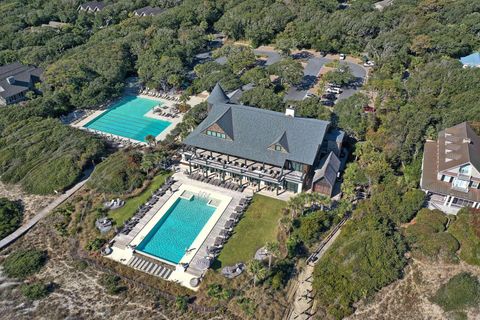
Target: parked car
[(342, 56), (329, 96), (369, 64), (328, 103), (334, 90)]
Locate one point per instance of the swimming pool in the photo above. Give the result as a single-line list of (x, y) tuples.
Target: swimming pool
[(177, 229), (126, 118)]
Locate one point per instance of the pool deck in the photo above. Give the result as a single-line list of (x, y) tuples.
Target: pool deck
[(173, 121), (122, 247), (202, 235)]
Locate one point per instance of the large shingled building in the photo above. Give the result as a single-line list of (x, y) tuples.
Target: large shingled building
[(16, 80), (263, 148), (451, 169)]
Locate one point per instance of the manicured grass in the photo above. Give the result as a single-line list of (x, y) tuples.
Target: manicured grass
[(122, 214), (258, 226)]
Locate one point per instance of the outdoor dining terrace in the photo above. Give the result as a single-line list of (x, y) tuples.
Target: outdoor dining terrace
[(243, 168)]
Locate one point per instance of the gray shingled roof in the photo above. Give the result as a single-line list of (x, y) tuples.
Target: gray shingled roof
[(255, 130), (328, 169), (93, 5), (217, 95), (148, 11), (283, 141), (225, 122), (23, 77)]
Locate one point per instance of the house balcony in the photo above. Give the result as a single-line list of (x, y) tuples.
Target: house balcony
[(246, 168), (461, 189)]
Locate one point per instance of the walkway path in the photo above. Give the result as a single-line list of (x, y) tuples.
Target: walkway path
[(42, 213), (303, 303)]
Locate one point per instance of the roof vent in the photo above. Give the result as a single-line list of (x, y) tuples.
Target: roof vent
[(290, 111), (467, 140), (11, 80)]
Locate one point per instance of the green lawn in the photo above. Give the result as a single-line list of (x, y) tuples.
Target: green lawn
[(257, 227), (132, 204)]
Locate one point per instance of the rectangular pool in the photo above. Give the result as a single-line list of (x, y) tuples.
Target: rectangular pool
[(177, 229), (126, 118)]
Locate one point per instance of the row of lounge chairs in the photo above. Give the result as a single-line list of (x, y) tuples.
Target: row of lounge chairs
[(116, 140), (227, 229), (167, 114), (143, 209), (157, 94), (217, 182), (114, 204)]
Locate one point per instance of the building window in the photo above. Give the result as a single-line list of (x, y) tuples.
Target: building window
[(216, 134), (465, 169), (297, 166), (461, 184), (278, 147)]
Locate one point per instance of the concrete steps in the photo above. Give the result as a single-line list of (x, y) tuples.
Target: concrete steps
[(150, 267)]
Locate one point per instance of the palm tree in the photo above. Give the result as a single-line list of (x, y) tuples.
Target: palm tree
[(296, 204), (273, 250), (184, 98), (151, 140), (257, 270), (320, 199), (147, 163)]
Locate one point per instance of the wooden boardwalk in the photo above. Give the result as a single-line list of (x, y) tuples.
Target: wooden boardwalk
[(303, 296), (42, 213)]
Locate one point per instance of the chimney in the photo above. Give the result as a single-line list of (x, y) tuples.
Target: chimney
[(11, 80), (290, 111)]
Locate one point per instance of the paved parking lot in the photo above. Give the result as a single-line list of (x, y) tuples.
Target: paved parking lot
[(311, 71)]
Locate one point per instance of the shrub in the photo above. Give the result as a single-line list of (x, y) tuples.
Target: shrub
[(277, 281), (461, 291), (95, 244), (427, 237), (11, 214), (216, 291), (247, 305), (466, 229), (119, 173), (367, 255), (112, 283), (311, 226), (34, 291), (181, 303), (23, 263)]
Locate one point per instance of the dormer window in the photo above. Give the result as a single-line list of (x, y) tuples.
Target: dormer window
[(216, 134), (278, 147), (466, 169)]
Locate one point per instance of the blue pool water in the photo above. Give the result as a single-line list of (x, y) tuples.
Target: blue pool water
[(177, 229), (126, 118)]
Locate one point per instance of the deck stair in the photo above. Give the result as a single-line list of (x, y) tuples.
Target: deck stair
[(150, 267)]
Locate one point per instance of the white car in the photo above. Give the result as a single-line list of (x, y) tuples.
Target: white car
[(342, 56), (369, 64), (334, 90)]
